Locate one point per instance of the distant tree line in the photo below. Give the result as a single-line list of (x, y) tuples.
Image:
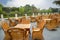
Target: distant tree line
[(22, 10)]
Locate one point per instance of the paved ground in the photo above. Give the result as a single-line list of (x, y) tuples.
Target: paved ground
[(48, 35), (51, 35)]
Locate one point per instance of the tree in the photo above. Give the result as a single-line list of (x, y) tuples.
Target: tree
[(28, 9), (1, 6), (21, 10), (49, 10), (34, 9), (14, 9), (57, 2), (46, 10)]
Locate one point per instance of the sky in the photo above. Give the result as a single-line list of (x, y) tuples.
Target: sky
[(42, 4)]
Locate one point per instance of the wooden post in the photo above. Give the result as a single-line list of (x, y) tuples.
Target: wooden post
[(39, 14), (46, 13), (26, 16), (16, 16), (2, 18), (33, 15), (43, 14)]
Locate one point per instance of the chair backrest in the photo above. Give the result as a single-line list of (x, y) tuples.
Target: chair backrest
[(32, 19), (45, 16), (18, 21), (11, 23), (16, 33), (39, 31), (41, 24), (58, 22), (52, 24), (5, 26), (25, 21), (38, 18)]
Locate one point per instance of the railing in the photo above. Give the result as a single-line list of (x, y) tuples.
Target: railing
[(33, 15)]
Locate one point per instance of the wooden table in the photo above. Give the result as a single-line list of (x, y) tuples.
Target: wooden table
[(25, 27), (47, 19)]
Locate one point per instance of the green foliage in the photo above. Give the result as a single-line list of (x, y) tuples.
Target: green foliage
[(1, 9), (57, 2), (12, 14), (34, 9), (4, 13), (27, 9), (21, 10), (46, 10)]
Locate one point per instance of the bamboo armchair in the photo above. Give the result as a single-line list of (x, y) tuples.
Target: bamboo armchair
[(32, 19), (25, 21), (11, 23), (38, 18), (16, 34), (5, 27), (58, 20), (18, 21), (45, 16), (52, 24), (37, 33)]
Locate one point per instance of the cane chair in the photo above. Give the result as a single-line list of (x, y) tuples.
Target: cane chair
[(37, 33), (41, 24), (25, 21), (18, 21), (54, 16), (5, 27), (32, 19), (52, 24), (45, 16), (38, 18), (16, 34), (11, 23), (58, 20)]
